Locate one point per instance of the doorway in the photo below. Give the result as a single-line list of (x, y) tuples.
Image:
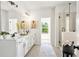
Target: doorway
[(45, 30)]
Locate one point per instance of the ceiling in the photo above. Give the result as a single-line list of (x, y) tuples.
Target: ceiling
[(28, 6), (31, 5)]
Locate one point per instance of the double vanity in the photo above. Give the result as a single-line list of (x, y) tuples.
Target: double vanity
[(18, 46)]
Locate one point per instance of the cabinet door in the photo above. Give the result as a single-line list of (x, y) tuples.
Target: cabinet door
[(20, 50)]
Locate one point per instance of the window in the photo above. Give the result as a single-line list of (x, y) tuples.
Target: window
[(45, 27)]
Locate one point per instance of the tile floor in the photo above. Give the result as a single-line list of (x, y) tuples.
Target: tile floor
[(58, 51), (45, 50)]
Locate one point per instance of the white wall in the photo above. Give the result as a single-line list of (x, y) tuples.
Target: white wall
[(66, 36), (9, 14), (4, 20), (0, 15), (77, 17), (5, 16), (73, 21), (53, 26), (62, 10), (45, 13), (13, 14), (58, 10)]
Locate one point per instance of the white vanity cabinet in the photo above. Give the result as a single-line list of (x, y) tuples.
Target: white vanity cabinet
[(24, 45), (7, 48), (16, 48), (20, 50), (29, 42)]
